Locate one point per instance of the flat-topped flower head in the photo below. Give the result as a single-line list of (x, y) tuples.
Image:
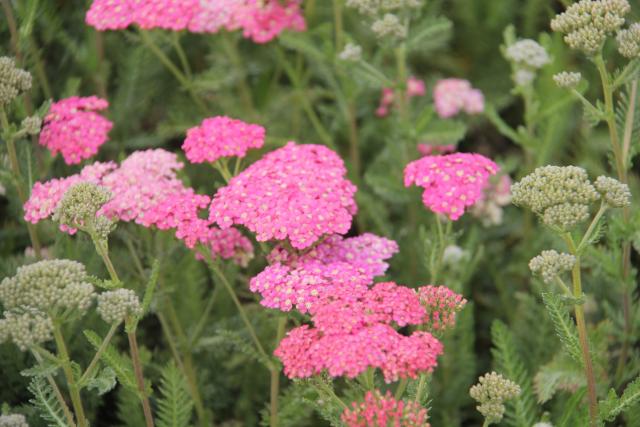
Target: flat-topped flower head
[(26, 327), (527, 53), (491, 392), (551, 264), (50, 286), (13, 80), (587, 23), (220, 137), (378, 410), (560, 194), (298, 193), (115, 306), (451, 182), (441, 305), (73, 128), (452, 96)]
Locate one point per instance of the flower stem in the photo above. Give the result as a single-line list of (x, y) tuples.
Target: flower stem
[(74, 390), (582, 332), (137, 368), (402, 386), (275, 376), (103, 346), (421, 383), (56, 391)]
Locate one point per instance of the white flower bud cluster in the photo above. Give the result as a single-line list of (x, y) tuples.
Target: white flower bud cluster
[(527, 53), (13, 81), (80, 204), (629, 41), (351, 52), (25, 329), (613, 192), (587, 24), (491, 392), (550, 264), (13, 420), (389, 26), (31, 125), (566, 79), (372, 7), (114, 306), (48, 286), (561, 194)]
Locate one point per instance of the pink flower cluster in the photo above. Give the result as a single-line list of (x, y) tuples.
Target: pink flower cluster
[(451, 182), (74, 129), (259, 20), (221, 137), (146, 190), (301, 280), (451, 96), (441, 305), (415, 87), (379, 410), (298, 192)]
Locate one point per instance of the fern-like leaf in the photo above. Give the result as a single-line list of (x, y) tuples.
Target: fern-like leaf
[(175, 405), (613, 405), (46, 403), (239, 343), (564, 326), (522, 411)]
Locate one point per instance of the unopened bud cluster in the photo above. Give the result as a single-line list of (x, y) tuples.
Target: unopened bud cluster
[(80, 204), (114, 306), (527, 53), (550, 264), (351, 52), (613, 192), (13, 420), (566, 79), (491, 392), (629, 41), (389, 26), (25, 328), (373, 7), (13, 81), (587, 23), (560, 194), (386, 15), (31, 125)]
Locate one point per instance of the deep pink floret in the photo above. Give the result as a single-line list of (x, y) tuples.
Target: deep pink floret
[(441, 305), (74, 129), (451, 182), (298, 192), (378, 410), (451, 96), (221, 137)]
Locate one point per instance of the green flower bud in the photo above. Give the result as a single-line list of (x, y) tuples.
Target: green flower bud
[(491, 392), (565, 216), (31, 125), (13, 81), (114, 306), (80, 203), (25, 328), (528, 53), (567, 79), (614, 193), (629, 41), (550, 264)]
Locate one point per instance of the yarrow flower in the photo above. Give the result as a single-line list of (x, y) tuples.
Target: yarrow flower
[(587, 23), (80, 204), (615, 193), (491, 392), (451, 96), (415, 87), (297, 192), (13, 80), (378, 410), (25, 328), (260, 21), (550, 264), (115, 306), (73, 128), (451, 182), (13, 420), (221, 137), (300, 281), (489, 208), (441, 305), (629, 41), (351, 52), (389, 25), (527, 53), (566, 79)]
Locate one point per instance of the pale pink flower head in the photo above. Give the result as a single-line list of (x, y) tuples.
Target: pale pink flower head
[(262, 21), (451, 182), (74, 129), (451, 96), (221, 137), (415, 87), (298, 192), (441, 305), (378, 410)]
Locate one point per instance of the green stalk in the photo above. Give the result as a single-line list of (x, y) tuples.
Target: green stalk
[(582, 333), (402, 386), (17, 175), (421, 384), (137, 368), (275, 376), (175, 39), (56, 391), (103, 346), (74, 390), (245, 93)]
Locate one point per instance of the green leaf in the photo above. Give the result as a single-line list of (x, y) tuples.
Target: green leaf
[(302, 43), (104, 382), (434, 33), (561, 373), (46, 403), (43, 369), (367, 73), (175, 405), (444, 132), (521, 411), (613, 406), (239, 343), (564, 326), (574, 411)]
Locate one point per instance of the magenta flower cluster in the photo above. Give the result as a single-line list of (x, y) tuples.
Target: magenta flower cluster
[(378, 410), (74, 129), (220, 137), (451, 96), (441, 304), (298, 192), (415, 87), (451, 182), (259, 21), (146, 190)]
